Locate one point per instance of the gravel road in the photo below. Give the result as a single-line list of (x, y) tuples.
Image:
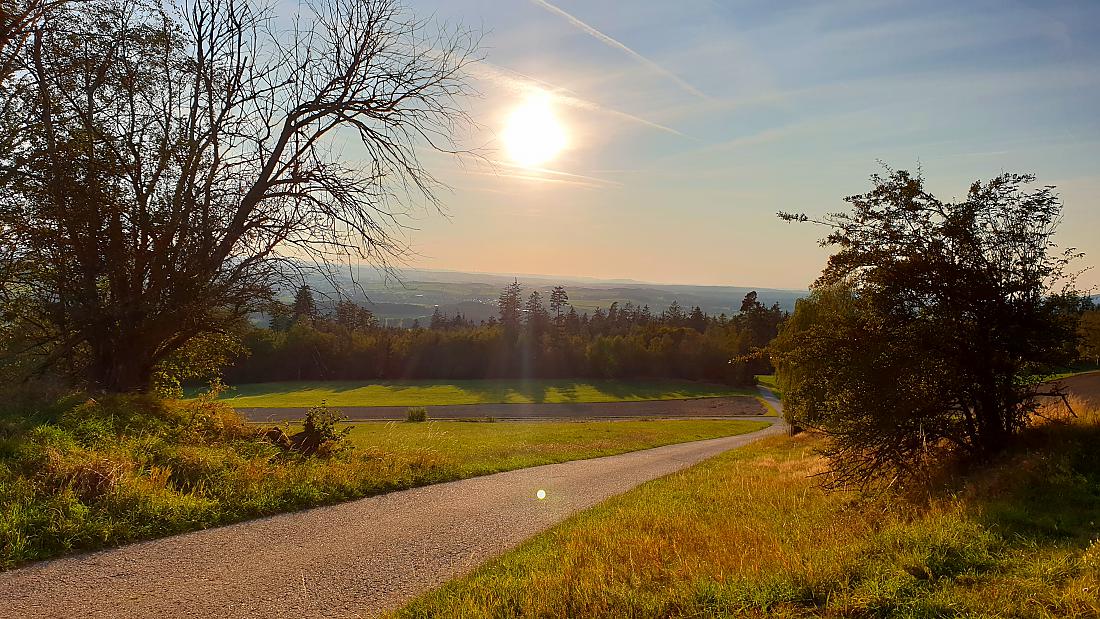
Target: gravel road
[(356, 559), (736, 406)]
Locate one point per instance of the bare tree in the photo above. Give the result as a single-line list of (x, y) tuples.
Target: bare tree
[(18, 19), (173, 164)]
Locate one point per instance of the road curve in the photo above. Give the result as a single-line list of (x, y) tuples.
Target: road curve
[(356, 559)]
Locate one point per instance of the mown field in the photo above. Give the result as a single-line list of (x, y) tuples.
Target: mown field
[(85, 474), (751, 533), (441, 393)]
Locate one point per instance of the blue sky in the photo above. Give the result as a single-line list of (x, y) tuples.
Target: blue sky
[(690, 123)]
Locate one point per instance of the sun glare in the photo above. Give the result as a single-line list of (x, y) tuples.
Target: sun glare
[(533, 135)]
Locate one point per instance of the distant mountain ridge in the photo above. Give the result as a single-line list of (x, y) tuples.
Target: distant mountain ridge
[(419, 291)]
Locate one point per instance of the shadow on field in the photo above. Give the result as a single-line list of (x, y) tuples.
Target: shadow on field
[(1048, 489)]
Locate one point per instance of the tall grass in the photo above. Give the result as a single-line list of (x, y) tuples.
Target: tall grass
[(751, 533), (78, 474)]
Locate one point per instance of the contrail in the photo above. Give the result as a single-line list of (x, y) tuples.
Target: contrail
[(620, 46), (519, 82)]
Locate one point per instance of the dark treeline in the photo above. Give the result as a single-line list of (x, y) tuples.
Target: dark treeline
[(532, 337)]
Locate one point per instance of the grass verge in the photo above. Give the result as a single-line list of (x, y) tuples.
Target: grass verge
[(437, 393), (750, 533), (83, 474)]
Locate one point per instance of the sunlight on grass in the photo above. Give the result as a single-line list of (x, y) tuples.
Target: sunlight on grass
[(436, 393), (478, 448), (750, 533), (129, 468)]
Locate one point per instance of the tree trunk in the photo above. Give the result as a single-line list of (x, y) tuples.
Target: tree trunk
[(121, 366)]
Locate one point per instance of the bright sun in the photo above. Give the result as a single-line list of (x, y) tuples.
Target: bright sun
[(533, 134)]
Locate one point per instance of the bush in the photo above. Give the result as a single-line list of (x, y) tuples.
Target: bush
[(319, 435), (79, 473), (416, 414)]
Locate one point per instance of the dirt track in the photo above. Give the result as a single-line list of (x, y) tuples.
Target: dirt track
[(737, 406), (350, 560)]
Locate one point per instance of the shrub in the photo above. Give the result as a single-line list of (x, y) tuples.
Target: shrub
[(319, 435), (416, 414)]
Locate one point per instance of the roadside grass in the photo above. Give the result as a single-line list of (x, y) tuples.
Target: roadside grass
[(441, 393), (78, 474), (1070, 372), (750, 533), (470, 449), (768, 380)]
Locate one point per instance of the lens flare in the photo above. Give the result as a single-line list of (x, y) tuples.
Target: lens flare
[(541, 494)]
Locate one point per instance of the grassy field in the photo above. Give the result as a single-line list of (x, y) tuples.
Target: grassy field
[(439, 393), (750, 533), (86, 474), (466, 449)]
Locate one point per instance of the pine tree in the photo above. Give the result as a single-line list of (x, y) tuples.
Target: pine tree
[(559, 298), (537, 316), (510, 304), (305, 308), (697, 320), (438, 321), (674, 315)]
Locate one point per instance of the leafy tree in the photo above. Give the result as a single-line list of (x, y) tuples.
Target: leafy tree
[(166, 166), (281, 316), (1089, 332), (928, 324), (354, 317)]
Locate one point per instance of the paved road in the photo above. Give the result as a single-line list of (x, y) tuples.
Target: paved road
[(738, 406), (356, 559), (772, 400)]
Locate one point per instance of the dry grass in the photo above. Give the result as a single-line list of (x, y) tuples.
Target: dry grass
[(84, 474), (751, 534)]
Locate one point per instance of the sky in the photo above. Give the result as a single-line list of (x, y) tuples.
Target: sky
[(689, 124)]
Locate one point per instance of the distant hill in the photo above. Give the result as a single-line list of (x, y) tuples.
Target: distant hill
[(474, 295)]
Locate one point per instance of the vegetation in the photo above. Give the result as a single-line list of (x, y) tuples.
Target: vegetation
[(929, 327), (465, 449), (441, 393), (752, 533), (528, 341), (416, 414), (165, 167), (1089, 333), (77, 473)]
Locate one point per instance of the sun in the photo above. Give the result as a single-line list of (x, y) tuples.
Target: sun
[(533, 135)]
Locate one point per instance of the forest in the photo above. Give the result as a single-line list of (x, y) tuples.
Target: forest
[(531, 338)]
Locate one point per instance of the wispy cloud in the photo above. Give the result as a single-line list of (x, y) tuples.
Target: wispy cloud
[(616, 44), (519, 82)]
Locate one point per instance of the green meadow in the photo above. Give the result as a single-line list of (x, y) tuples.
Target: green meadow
[(440, 393)]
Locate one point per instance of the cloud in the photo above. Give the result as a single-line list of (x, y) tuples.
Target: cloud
[(518, 82), (616, 44)]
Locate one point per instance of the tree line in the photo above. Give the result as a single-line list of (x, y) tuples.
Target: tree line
[(529, 338)]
